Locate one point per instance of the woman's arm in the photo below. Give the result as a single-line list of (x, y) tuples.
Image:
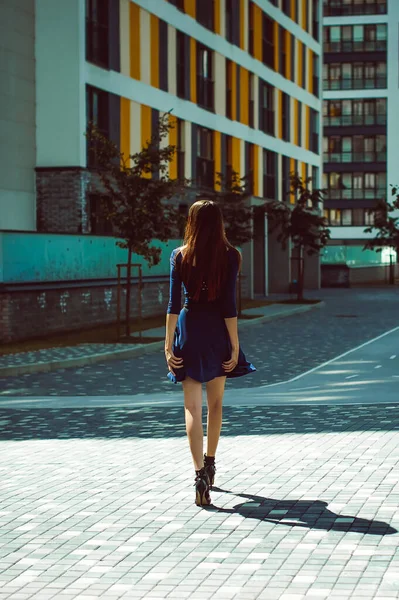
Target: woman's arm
[(174, 307), (230, 311)]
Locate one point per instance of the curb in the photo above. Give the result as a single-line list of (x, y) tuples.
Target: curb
[(138, 350)]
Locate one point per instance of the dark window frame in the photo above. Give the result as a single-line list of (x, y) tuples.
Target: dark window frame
[(268, 47), (350, 44), (205, 13), (205, 158), (269, 174), (205, 84), (181, 65), (351, 8), (333, 151), (286, 117), (354, 82), (266, 107), (97, 32), (97, 112), (179, 4), (352, 118), (99, 223)]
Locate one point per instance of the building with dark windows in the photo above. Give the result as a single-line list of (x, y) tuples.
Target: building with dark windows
[(360, 112), (241, 79)]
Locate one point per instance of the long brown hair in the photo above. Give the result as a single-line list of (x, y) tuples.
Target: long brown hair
[(205, 248)]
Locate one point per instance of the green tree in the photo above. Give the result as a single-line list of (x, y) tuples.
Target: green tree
[(138, 194), (238, 215), (386, 229), (300, 222)]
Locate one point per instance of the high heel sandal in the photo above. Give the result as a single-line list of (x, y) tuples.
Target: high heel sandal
[(210, 469), (202, 496)]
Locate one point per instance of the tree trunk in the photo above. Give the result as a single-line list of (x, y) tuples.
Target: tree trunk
[(301, 274), (128, 290)]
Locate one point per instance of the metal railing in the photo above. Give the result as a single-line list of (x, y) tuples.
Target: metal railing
[(351, 157), (356, 46), (355, 194), (355, 83), (338, 8), (348, 120)]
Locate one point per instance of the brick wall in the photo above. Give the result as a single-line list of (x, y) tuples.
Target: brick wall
[(29, 313), (62, 204)]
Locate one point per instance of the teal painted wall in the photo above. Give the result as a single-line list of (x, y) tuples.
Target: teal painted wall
[(28, 257), (353, 255)]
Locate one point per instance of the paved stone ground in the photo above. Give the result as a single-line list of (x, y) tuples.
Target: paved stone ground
[(98, 503), (279, 349)]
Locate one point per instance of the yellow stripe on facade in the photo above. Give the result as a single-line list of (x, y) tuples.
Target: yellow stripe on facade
[(304, 172), (154, 51), (257, 32), (300, 65), (310, 71), (173, 142), (217, 153), (236, 158), (244, 96), (125, 129), (293, 7), (217, 9), (189, 8), (276, 46), (135, 41), (233, 91), (287, 41), (255, 150), (193, 70), (305, 14), (242, 24), (296, 124), (292, 170)]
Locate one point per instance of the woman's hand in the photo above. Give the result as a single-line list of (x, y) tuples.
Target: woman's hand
[(173, 361), (231, 364)]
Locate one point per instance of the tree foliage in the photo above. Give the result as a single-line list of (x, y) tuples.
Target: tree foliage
[(386, 224), (137, 189), (301, 222)]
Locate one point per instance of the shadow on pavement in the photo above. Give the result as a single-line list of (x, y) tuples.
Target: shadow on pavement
[(168, 422), (312, 514)]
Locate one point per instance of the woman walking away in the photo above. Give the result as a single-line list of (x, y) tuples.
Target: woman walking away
[(201, 344)]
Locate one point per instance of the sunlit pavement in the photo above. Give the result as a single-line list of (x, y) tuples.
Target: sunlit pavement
[(96, 496)]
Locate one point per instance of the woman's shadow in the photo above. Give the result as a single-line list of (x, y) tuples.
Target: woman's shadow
[(313, 514)]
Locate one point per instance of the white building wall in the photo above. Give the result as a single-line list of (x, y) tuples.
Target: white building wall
[(17, 115)]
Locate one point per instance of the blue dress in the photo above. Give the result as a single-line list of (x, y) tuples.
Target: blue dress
[(201, 338)]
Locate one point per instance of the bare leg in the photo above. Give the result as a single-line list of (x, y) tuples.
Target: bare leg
[(214, 392), (193, 413)]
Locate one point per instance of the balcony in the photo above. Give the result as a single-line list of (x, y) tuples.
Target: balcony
[(354, 157), (205, 173), (350, 120), (356, 46), (355, 194), (338, 9), (356, 83), (205, 93)]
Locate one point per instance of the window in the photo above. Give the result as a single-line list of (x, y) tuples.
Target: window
[(251, 168), (251, 27), (99, 208), (181, 147), (300, 123), (355, 186), (229, 158), (182, 59), (205, 162), (205, 86), (316, 81), (354, 76), (97, 112), (286, 179), (230, 21), (354, 7), (287, 7), (269, 175), (266, 107), (229, 89), (205, 13), (315, 22), (355, 38), (370, 111), (268, 42), (97, 34), (251, 96), (314, 131), (283, 56), (178, 3), (286, 117), (304, 65)]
